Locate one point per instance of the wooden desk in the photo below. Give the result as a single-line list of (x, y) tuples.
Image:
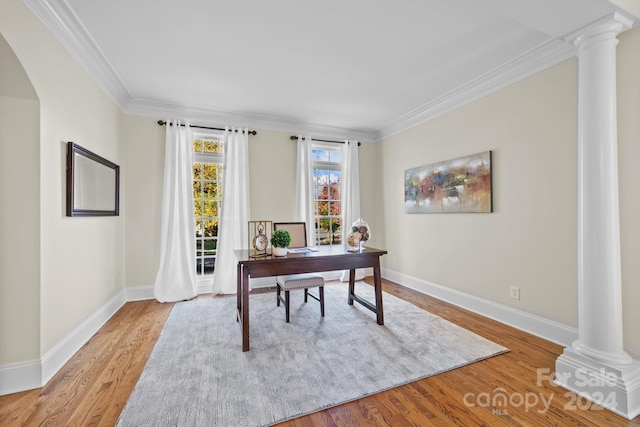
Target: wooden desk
[(337, 258)]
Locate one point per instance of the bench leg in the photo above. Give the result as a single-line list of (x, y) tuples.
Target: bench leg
[(278, 295), (321, 290), (286, 304)]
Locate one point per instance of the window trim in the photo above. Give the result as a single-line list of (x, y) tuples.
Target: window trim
[(212, 158), (330, 166)]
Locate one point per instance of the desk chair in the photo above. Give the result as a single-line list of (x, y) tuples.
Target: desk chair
[(298, 231)]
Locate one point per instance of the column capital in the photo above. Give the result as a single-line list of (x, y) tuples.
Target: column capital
[(610, 26)]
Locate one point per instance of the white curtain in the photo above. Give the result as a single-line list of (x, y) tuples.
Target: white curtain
[(235, 210), (304, 188), (176, 277), (350, 194)]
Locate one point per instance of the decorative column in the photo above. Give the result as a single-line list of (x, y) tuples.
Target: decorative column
[(596, 366)]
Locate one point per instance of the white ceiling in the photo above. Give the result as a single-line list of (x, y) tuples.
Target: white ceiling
[(338, 68)]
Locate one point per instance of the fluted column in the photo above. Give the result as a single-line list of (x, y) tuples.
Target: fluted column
[(596, 365)]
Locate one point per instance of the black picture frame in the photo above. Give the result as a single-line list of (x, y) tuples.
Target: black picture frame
[(93, 183)]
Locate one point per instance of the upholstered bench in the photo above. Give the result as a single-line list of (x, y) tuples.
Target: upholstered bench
[(300, 281)]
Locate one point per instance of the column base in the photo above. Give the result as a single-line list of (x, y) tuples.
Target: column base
[(614, 387)]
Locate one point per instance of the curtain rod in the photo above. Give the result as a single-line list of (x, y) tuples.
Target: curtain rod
[(295, 138), (162, 123)]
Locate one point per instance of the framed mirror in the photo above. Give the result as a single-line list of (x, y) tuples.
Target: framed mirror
[(93, 183)]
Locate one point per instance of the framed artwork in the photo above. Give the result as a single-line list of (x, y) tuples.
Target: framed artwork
[(459, 185), (93, 183)]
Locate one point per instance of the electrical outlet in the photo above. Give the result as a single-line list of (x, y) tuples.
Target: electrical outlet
[(394, 261), (515, 292)]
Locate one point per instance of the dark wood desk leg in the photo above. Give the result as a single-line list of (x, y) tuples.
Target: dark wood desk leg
[(352, 284), (378, 289), (238, 291), (245, 308)]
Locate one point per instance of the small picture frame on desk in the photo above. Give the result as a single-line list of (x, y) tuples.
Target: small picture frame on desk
[(259, 238)]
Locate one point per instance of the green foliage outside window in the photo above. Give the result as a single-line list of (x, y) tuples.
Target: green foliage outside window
[(207, 198)]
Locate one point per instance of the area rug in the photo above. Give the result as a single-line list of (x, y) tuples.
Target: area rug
[(197, 374)]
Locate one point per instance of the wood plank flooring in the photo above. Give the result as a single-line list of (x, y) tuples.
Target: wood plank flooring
[(93, 387)]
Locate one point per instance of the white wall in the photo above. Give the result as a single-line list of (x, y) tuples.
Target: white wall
[(81, 261), (530, 239)]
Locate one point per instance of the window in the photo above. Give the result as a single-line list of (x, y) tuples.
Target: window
[(207, 197), (326, 193)]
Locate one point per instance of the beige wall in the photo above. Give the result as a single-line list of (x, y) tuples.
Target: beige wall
[(272, 176), (628, 160), (19, 230), (530, 240), (20, 213), (143, 167), (81, 262)]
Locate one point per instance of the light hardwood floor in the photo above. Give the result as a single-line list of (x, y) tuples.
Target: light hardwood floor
[(93, 387)]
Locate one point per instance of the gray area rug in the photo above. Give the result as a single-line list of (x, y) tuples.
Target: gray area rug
[(197, 374)]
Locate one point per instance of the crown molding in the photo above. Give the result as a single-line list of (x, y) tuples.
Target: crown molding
[(207, 117), (617, 23), (59, 18), (535, 60)]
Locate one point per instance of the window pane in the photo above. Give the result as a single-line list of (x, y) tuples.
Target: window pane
[(210, 171), (197, 169), (334, 192), (197, 145), (209, 265), (319, 155), (337, 225), (211, 190), (322, 208), (321, 177), (210, 247), (334, 156), (197, 208), (210, 208), (211, 228), (213, 146), (337, 238)]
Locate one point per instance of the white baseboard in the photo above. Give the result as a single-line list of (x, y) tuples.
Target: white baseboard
[(20, 377), (535, 325), (139, 293), (65, 349), (26, 376)]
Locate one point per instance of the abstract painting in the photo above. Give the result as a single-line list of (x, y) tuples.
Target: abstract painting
[(454, 186)]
